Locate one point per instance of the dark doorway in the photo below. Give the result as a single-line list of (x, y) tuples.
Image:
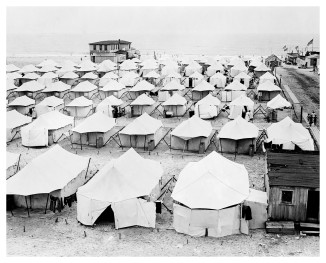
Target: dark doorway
[(313, 206), (107, 217), (190, 82)]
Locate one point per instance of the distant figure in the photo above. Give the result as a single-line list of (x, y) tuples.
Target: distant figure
[(247, 118), (314, 118), (309, 117)]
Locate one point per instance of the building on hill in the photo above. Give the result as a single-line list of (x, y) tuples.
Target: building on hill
[(115, 50), (292, 183), (273, 61)]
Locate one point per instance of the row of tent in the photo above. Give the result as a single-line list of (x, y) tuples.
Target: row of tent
[(190, 135), (208, 195)]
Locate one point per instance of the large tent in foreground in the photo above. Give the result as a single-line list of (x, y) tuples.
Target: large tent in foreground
[(127, 186), (141, 133), (238, 136), (289, 134), (57, 173), (12, 163), (208, 107), (208, 197), (14, 122), (47, 129), (95, 130), (193, 134)]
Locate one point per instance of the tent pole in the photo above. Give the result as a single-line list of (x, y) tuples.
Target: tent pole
[(87, 167), (18, 163), (46, 206), (26, 205), (145, 142), (81, 145), (30, 201), (221, 146)]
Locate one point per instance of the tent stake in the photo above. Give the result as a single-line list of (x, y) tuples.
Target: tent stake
[(27, 205)]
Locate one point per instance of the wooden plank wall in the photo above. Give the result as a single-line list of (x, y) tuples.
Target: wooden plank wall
[(296, 212)]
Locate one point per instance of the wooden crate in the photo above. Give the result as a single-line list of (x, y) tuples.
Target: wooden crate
[(280, 227)]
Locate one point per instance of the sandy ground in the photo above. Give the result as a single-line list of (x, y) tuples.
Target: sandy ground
[(304, 84), (45, 237)]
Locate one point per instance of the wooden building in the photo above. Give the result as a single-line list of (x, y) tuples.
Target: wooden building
[(115, 50), (273, 61), (292, 185)]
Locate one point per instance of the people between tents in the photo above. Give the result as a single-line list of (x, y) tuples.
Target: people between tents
[(241, 106)]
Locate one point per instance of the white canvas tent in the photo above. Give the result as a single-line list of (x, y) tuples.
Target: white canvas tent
[(208, 195), (142, 104), (126, 67), (85, 89), (266, 77), (279, 103), (140, 88), (113, 88), (95, 130), (208, 107), (243, 78), (237, 69), (28, 69), (69, 78), (47, 129), (170, 89), (193, 80), (218, 80), (13, 77), (107, 78), (267, 91), (175, 106), (58, 89), (129, 79), (201, 90), (214, 68), (48, 78), (29, 77), (240, 106), (80, 107), (12, 164), (261, 70), (141, 132), (22, 104), (290, 134), (234, 90), (105, 106), (192, 68), (31, 88), (193, 134), (11, 68), (66, 69), (11, 87), (120, 187), (49, 104), (14, 122), (47, 62), (236, 136), (90, 77), (56, 172)]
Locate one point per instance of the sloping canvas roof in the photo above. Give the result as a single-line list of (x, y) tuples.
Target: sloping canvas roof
[(235, 85), (268, 86), (218, 75), (113, 85), (267, 75), (193, 128), (262, 67), (128, 65), (84, 86), (51, 101), (47, 62), (11, 86), (11, 68), (22, 101), (278, 102), (175, 75), (143, 86), (143, 99), (117, 181), (287, 130), (28, 68), (238, 129), (110, 75), (143, 125), (57, 86), (48, 68), (49, 171), (80, 102), (15, 119), (173, 85), (111, 100), (214, 182), (98, 122), (49, 75), (89, 75), (209, 100), (13, 75), (152, 74), (31, 86), (243, 100), (204, 86), (70, 75), (196, 75), (242, 75), (30, 76), (176, 99)]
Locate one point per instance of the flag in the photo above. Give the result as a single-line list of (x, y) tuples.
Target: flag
[(310, 42), (297, 48), (284, 47)]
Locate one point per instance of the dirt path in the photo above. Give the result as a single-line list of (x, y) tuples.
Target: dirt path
[(304, 84)]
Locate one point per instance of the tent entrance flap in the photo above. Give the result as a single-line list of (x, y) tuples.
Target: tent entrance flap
[(106, 217)]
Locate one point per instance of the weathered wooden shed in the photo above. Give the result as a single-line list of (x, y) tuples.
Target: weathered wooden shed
[(292, 185)]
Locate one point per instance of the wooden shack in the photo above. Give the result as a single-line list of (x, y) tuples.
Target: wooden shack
[(292, 185)]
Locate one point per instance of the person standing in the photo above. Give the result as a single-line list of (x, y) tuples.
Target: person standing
[(314, 118), (309, 117)]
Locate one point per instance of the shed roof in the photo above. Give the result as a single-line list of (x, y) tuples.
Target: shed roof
[(296, 170), (110, 42)]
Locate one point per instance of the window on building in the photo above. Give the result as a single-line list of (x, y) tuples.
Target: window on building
[(287, 196)]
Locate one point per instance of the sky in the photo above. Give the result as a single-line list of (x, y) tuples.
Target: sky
[(158, 27)]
